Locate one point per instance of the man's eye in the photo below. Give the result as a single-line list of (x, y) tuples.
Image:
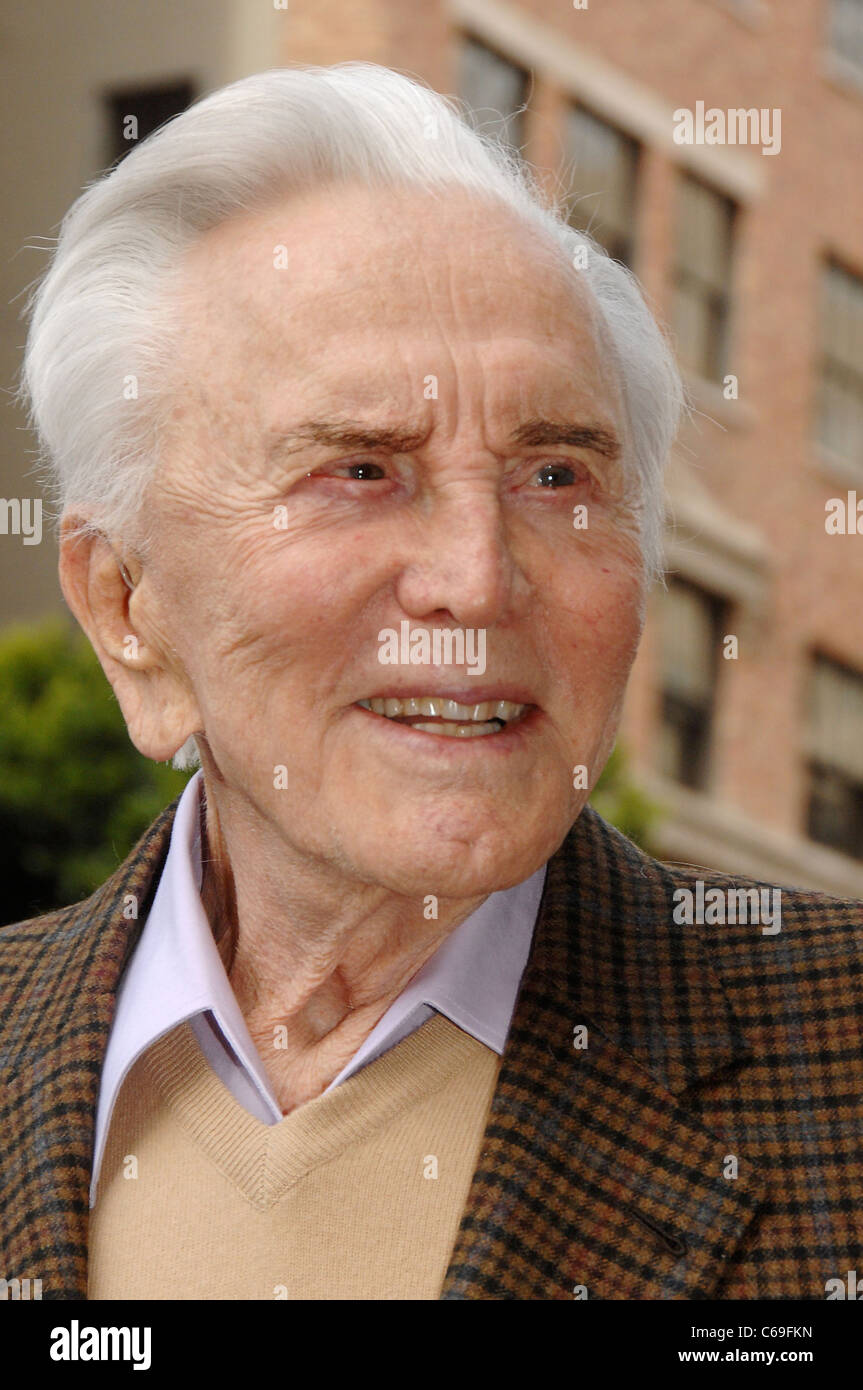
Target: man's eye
[(556, 475), (360, 472)]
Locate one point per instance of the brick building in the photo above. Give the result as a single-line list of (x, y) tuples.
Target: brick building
[(745, 713)]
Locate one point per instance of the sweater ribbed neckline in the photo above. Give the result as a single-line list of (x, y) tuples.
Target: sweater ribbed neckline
[(265, 1161)]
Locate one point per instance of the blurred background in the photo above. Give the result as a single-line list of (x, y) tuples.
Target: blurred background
[(744, 755)]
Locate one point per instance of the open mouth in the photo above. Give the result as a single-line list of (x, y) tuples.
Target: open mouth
[(431, 714)]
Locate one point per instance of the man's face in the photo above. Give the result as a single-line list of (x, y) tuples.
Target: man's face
[(279, 557)]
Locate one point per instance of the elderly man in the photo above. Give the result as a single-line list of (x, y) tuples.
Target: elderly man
[(359, 449)]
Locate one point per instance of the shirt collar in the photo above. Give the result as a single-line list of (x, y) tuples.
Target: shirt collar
[(176, 973)]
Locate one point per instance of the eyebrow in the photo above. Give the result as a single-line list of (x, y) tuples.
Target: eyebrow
[(537, 432), (348, 434)]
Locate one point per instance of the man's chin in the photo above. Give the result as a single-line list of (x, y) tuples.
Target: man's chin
[(459, 869)]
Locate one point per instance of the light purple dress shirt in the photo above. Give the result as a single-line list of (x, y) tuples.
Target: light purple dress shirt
[(176, 973)]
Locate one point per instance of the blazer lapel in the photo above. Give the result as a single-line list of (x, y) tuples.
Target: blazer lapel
[(595, 1178), (61, 975)]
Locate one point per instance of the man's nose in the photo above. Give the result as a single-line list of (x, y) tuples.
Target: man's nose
[(461, 564)]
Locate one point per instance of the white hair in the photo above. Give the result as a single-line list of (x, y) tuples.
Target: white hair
[(97, 366)]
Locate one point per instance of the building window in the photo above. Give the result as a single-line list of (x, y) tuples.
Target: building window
[(835, 814), (846, 32), (840, 407), (494, 91), (691, 627), (135, 112), (702, 277), (604, 166)]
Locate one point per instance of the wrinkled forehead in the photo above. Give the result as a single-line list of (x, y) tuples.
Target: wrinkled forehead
[(308, 275)]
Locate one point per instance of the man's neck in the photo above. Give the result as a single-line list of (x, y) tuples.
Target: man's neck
[(314, 963)]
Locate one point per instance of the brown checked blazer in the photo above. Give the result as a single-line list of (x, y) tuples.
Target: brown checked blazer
[(605, 1169)]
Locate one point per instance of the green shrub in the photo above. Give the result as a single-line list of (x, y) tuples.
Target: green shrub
[(74, 792), (622, 803)]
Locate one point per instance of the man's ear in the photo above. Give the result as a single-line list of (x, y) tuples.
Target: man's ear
[(122, 624)]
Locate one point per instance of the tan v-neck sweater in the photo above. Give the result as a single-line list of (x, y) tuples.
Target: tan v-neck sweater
[(357, 1194)]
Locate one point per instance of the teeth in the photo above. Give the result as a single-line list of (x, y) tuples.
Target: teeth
[(435, 707)]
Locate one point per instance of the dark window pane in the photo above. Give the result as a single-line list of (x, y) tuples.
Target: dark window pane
[(690, 633), (493, 89), (604, 165), (136, 112), (835, 815), (702, 275), (846, 30), (835, 747), (840, 399), (685, 740)]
